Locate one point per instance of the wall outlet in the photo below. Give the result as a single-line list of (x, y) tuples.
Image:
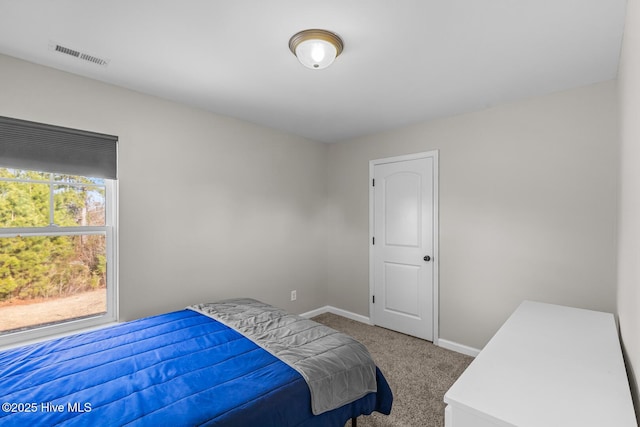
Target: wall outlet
[(294, 295)]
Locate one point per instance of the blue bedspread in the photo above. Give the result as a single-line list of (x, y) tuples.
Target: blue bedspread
[(176, 369)]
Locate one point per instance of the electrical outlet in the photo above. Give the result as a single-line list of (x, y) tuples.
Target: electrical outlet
[(294, 295)]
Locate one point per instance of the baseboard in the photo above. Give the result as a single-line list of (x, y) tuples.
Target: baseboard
[(337, 311), (459, 348), (316, 312), (449, 345), (349, 315)]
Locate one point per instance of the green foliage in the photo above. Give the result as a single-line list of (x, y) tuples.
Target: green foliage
[(46, 266)]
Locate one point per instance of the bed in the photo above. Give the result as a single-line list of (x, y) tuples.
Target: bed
[(184, 368)]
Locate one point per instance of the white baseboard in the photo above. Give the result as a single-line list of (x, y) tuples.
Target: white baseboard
[(449, 345), (459, 348), (338, 311), (316, 312)]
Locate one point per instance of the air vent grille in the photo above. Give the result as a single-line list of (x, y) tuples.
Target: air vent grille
[(93, 59), (68, 51), (77, 54)]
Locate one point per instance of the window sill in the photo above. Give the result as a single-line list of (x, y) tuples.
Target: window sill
[(17, 342)]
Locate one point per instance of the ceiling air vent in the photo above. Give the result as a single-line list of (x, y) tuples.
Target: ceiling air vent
[(77, 54)]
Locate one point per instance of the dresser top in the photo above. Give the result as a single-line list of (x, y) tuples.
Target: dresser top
[(549, 365)]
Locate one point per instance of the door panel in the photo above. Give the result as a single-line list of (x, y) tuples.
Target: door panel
[(402, 293), (403, 217)]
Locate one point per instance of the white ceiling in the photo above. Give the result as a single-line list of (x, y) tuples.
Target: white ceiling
[(404, 61)]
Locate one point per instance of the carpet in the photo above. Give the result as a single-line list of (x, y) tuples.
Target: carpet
[(418, 372)]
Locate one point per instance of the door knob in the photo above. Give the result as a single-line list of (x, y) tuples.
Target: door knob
[(427, 258)]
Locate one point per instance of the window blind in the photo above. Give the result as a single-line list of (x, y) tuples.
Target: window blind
[(43, 147)]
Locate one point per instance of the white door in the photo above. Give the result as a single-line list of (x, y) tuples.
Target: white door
[(404, 244)]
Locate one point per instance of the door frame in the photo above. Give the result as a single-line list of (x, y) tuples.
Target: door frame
[(433, 154)]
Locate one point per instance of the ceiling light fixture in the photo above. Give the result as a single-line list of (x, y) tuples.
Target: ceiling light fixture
[(316, 49)]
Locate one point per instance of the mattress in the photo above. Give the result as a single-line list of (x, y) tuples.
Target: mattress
[(337, 368), (179, 369)]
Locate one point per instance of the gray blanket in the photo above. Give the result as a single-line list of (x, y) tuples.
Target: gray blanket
[(337, 368)]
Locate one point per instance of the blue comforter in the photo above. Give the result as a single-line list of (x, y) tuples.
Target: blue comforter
[(180, 368)]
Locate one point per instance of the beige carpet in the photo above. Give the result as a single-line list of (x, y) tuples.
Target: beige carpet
[(418, 372)]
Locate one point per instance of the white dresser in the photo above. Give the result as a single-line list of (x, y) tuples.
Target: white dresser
[(547, 366)]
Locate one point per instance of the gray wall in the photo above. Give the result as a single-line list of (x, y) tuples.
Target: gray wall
[(528, 195), (223, 208), (210, 207), (629, 248)]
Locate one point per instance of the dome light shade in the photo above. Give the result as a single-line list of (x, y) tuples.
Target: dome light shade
[(316, 49)]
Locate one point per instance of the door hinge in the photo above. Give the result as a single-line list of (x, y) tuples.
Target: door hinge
[(373, 240), (373, 182), (373, 299)]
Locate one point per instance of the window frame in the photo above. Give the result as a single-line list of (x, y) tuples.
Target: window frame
[(110, 230)]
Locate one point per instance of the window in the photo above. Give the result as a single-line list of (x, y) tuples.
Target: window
[(57, 232)]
